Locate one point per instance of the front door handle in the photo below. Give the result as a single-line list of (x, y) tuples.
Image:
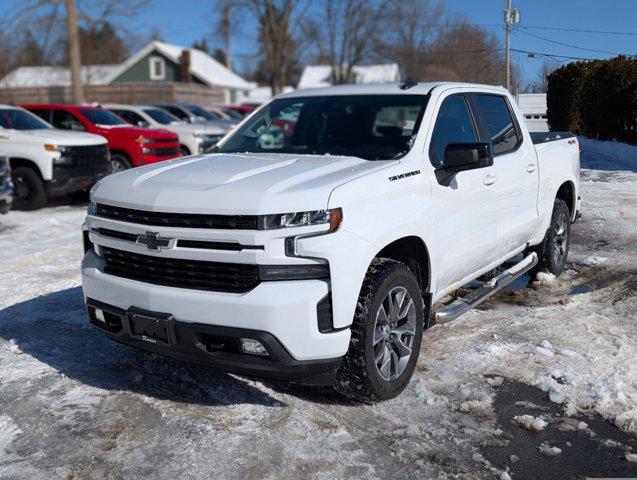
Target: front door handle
[(531, 167), (489, 179)]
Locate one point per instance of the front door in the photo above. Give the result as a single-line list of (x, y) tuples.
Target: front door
[(466, 209)]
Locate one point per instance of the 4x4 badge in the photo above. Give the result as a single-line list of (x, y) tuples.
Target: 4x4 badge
[(153, 241)]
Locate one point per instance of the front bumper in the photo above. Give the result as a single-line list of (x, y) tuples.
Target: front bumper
[(218, 347), (68, 179), (283, 313)]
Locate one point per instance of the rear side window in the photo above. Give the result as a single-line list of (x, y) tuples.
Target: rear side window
[(453, 125), (495, 112)]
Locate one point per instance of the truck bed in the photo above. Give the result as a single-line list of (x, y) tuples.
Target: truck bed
[(544, 137)]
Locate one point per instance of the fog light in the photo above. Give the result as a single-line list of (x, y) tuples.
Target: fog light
[(253, 347), (99, 315)]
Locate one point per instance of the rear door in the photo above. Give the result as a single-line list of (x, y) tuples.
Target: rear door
[(466, 209), (518, 175)]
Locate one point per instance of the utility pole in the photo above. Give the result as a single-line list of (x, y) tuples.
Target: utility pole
[(74, 52), (225, 13), (510, 16)]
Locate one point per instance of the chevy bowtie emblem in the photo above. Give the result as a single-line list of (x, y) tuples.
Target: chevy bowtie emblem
[(153, 241)]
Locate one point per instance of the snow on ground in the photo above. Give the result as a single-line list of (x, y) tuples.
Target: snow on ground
[(556, 353)]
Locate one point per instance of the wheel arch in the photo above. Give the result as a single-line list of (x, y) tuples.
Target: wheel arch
[(16, 162), (567, 193), (413, 252)]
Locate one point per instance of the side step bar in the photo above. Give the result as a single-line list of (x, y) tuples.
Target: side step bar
[(462, 305)]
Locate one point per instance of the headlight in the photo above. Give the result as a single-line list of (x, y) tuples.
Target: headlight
[(331, 217), (55, 148), (90, 209)]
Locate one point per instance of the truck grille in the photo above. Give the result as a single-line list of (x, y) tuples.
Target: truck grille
[(162, 151), (86, 155), (185, 220), (181, 273)]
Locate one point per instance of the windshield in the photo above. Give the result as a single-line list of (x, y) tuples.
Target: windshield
[(100, 116), (373, 127), (20, 120), (200, 112), (161, 116)]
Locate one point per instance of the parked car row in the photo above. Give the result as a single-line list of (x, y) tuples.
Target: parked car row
[(55, 149)]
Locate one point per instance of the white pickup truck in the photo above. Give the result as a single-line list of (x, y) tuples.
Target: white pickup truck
[(318, 259), (45, 161)]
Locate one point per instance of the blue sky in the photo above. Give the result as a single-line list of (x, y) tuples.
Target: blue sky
[(184, 21)]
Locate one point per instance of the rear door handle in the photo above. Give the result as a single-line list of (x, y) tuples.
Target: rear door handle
[(531, 167), (489, 179)]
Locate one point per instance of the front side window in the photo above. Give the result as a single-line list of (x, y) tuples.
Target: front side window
[(177, 112), (497, 115), (453, 125), (199, 112), (15, 119), (161, 116), (131, 117), (66, 121), (372, 127), (99, 116)]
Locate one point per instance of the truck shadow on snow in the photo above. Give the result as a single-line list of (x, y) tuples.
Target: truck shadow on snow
[(54, 330)]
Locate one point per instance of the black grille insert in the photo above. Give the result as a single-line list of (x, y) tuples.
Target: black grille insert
[(86, 155), (186, 220), (181, 273)]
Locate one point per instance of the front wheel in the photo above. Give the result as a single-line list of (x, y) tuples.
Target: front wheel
[(119, 163), (29, 192), (386, 334), (553, 251)]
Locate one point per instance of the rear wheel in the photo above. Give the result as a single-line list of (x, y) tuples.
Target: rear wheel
[(386, 334), (28, 191), (119, 162), (553, 251)]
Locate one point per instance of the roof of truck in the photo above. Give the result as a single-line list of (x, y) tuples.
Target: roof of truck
[(384, 89)]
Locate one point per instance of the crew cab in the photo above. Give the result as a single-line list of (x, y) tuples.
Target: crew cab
[(194, 138), (129, 146), (47, 162), (319, 259)]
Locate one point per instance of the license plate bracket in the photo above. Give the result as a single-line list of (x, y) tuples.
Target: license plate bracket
[(152, 327)]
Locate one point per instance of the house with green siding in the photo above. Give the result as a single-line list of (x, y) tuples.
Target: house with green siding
[(158, 72)]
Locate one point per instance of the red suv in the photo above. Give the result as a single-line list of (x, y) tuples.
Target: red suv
[(129, 146)]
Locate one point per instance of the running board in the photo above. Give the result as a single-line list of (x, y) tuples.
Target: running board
[(462, 305)]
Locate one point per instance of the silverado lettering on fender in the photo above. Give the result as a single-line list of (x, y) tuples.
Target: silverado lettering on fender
[(289, 255)]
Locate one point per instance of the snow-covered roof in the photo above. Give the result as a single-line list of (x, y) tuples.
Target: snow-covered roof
[(202, 65), (263, 94), (321, 75), (25, 77)]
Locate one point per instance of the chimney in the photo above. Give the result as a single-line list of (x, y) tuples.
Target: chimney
[(184, 66)]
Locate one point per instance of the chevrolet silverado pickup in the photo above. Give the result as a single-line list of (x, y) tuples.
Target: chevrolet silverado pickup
[(319, 259), (47, 162), (129, 146)]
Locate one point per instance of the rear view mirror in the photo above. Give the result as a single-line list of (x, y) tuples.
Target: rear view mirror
[(466, 156)]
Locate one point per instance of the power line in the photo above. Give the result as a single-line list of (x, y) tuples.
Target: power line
[(606, 32), (569, 45), (551, 55)]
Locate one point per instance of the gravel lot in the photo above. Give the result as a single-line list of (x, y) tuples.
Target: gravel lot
[(564, 351)]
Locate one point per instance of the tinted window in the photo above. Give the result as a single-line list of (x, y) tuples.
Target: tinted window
[(495, 112), (131, 117), (372, 127), (43, 114), (199, 112), (99, 116), (453, 125), (20, 120), (161, 116), (66, 121), (177, 112)]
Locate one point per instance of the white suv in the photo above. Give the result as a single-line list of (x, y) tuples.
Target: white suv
[(194, 138), (46, 161)]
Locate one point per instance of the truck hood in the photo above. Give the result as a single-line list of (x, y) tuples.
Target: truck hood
[(61, 137), (248, 184), (134, 132), (190, 128)]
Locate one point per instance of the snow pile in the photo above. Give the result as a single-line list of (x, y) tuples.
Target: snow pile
[(546, 449), (8, 431), (530, 422)]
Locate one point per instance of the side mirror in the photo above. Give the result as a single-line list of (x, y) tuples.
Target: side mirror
[(466, 156)]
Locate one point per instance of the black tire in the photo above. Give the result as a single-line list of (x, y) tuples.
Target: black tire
[(29, 192), (358, 377), (119, 162), (553, 251)]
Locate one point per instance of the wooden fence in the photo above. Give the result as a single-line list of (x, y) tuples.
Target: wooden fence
[(134, 92)]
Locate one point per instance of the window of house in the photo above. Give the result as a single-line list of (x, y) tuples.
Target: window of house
[(453, 125), (495, 111), (157, 68)]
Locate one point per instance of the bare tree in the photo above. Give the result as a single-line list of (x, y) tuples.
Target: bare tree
[(410, 27), (276, 19), (541, 83)]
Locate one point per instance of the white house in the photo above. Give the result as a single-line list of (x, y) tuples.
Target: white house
[(314, 76)]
